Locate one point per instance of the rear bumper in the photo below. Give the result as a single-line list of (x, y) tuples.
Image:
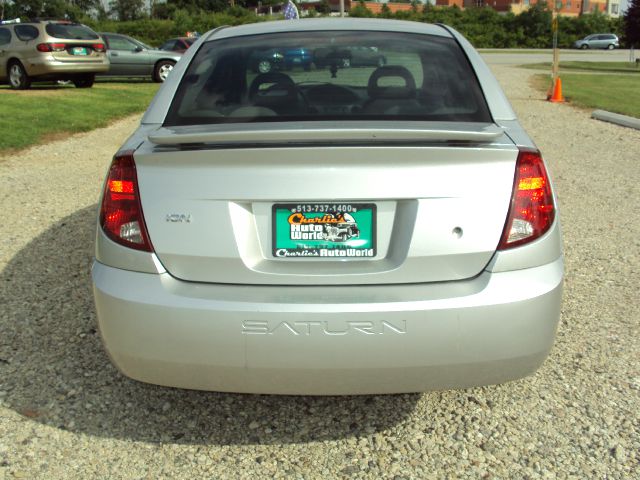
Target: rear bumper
[(48, 67), (328, 340)]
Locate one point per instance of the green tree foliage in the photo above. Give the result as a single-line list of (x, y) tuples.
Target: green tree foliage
[(126, 10), (632, 24), (154, 31), (323, 7), (385, 11), (200, 5), (360, 10), (484, 27), (28, 9)]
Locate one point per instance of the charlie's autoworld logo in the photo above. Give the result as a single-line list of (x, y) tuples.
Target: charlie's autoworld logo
[(324, 230), (332, 227)]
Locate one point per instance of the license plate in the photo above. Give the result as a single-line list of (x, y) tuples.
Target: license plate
[(79, 51), (324, 230)]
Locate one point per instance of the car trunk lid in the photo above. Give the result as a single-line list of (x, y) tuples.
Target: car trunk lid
[(437, 204)]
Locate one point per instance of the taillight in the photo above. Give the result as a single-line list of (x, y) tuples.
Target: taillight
[(121, 215), (98, 47), (532, 209), (51, 47)]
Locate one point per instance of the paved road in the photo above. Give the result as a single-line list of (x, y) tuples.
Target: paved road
[(514, 57)]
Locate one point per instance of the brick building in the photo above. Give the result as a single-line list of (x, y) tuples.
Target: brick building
[(571, 8)]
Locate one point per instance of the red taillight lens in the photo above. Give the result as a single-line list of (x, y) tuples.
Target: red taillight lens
[(532, 209), (121, 215), (51, 47), (98, 47)]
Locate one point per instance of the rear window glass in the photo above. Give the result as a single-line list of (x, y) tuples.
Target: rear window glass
[(345, 75), (71, 31), (171, 44)]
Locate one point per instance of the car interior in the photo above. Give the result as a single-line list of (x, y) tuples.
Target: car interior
[(419, 81)]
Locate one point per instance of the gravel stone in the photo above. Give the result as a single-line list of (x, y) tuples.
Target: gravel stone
[(65, 411)]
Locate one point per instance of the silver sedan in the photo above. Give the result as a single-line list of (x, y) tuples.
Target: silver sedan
[(329, 230), (129, 57)]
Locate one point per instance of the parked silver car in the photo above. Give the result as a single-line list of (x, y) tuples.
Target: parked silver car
[(606, 41), (132, 58), (216, 267)]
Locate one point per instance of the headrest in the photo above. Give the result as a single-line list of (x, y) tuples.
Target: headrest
[(281, 87), (395, 71)]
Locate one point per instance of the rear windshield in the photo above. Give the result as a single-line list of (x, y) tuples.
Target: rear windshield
[(71, 31), (344, 75)]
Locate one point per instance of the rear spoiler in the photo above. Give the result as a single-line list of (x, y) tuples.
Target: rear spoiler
[(325, 132)]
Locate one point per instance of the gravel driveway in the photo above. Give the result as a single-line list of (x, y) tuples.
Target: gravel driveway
[(65, 412)]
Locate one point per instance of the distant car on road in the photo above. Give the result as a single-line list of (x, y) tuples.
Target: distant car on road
[(355, 56), (132, 58), (50, 51), (605, 41), (179, 44), (263, 61)]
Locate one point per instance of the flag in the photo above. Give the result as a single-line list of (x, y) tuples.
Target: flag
[(291, 11)]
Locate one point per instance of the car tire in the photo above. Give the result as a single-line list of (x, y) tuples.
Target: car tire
[(264, 66), (18, 78), (611, 46), (584, 46), (85, 81), (162, 70)]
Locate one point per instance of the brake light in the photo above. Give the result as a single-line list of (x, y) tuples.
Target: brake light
[(121, 215), (51, 47), (532, 208), (99, 47)]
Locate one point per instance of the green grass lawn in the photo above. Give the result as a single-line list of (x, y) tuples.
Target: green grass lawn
[(614, 93), (607, 67), (45, 111)]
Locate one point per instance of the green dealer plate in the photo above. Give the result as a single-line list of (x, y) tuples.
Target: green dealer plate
[(324, 230)]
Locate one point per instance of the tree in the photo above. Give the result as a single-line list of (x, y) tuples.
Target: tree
[(535, 23), (323, 7), (127, 9), (360, 10), (194, 6), (632, 24), (385, 11), (27, 9)]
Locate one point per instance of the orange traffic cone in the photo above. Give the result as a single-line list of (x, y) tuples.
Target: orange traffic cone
[(557, 97)]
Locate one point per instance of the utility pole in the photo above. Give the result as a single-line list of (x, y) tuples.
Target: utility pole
[(555, 92), (554, 29)]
